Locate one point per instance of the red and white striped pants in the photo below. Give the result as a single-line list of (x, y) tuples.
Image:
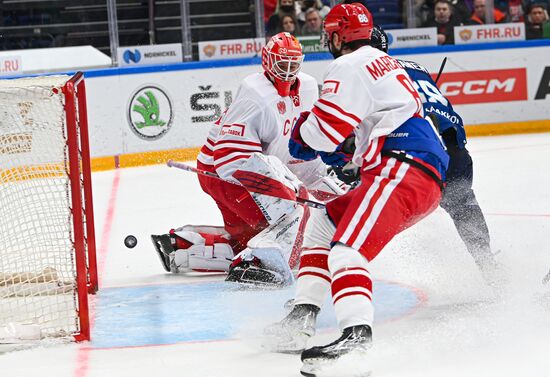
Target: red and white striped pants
[(391, 197), (337, 248)]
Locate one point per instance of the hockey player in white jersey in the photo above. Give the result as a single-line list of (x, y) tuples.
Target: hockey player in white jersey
[(366, 95), (252, 136)]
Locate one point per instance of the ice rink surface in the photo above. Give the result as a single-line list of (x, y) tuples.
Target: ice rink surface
[(435, 316)]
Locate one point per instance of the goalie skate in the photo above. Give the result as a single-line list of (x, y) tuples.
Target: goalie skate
[(163, 246), (343, 357), (292, 333), (251, 272)]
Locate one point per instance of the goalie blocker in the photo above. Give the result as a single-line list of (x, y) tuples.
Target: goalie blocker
[(270, 255)]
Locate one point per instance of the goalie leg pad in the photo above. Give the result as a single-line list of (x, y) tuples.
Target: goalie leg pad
[(261, 173), (282, 234), (194, 248), (270, 251)]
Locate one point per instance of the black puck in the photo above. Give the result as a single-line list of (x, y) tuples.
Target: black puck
[(130, 242)]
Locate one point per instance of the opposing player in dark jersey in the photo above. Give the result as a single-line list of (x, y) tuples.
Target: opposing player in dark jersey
[(458, 199)]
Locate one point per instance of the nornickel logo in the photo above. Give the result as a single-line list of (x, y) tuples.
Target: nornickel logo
[(131, 56)]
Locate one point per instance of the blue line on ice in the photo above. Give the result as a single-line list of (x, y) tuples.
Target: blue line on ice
[(212, 311)]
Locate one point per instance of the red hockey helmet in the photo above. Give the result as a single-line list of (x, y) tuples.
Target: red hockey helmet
[(282, 59), (351, 22)]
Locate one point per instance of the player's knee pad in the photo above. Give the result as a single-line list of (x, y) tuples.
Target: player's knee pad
[(342, 256), (319, 230)]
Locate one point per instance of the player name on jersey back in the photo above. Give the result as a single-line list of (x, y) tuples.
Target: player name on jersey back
[(382, 65)]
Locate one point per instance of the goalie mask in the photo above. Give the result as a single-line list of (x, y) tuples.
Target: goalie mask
[(350, 22), (282, 60)]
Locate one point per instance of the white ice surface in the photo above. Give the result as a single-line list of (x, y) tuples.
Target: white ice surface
[(461, 329)]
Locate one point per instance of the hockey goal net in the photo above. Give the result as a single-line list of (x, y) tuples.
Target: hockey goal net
[(47, 241)]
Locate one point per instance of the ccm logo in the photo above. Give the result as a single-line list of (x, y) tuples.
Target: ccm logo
[(500, 85)]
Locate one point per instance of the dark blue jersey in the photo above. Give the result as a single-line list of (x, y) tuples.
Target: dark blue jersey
[(434, 102), (418, 138)]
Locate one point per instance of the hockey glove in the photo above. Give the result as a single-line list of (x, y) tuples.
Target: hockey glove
[(296, 145), (349, 173), (343, 153)]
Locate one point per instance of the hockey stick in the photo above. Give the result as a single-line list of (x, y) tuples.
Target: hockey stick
[(259, 189), (441, 69)]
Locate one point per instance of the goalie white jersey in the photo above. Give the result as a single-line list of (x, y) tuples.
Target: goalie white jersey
[(260, 120), (366, 92)]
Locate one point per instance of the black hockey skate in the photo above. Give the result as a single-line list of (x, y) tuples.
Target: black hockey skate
[(355, 341), (163, 246), (252, 272), (292, 333)]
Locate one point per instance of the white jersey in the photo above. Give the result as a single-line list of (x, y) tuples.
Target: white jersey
[(260, 120), (366, 92)]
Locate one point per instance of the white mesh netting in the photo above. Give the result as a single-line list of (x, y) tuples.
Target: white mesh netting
[(37, 269)]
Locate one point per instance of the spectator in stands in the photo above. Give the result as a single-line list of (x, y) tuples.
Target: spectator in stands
[(284, 7), (288, 24), (423, 11), (269, 9), (514, 11), (315, 4), (537, 21), (314, 23), (478, 16), (461, 10), (444, 21)]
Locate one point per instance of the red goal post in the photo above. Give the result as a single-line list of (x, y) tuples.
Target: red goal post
[(81, 187), (47, 239)]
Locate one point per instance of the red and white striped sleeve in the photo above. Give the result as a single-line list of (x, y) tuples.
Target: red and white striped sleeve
[(238, 138), (338, 111)]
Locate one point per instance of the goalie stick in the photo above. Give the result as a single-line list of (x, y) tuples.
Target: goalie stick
[(252, 184)]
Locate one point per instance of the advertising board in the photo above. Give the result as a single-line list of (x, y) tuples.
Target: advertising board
[(230, 48), (150, 54), (171, 109), (489, 33)]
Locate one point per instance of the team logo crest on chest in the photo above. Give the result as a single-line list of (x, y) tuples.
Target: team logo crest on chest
[(281, 106)]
